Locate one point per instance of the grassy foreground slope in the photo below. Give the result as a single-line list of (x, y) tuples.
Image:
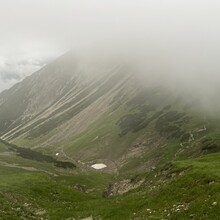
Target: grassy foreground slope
[(179, 190)]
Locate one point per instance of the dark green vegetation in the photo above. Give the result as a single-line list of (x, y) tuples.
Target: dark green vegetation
[(37, 156)]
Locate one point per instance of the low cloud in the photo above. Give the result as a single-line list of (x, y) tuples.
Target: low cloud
[(7, 76), (176, 43), (13, 71)]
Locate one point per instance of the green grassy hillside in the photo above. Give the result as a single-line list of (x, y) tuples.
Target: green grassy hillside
[(185, 189)]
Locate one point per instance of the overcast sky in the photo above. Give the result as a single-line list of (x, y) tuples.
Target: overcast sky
[(34, 32)]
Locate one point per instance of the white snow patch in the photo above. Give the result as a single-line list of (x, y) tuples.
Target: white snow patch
[(57, 154), (99, 166)]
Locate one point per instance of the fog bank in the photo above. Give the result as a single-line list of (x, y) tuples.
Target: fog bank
[(175, 43)]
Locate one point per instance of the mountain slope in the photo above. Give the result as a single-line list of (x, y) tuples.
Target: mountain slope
[(53, 96), (160, 147), (99, 111)]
